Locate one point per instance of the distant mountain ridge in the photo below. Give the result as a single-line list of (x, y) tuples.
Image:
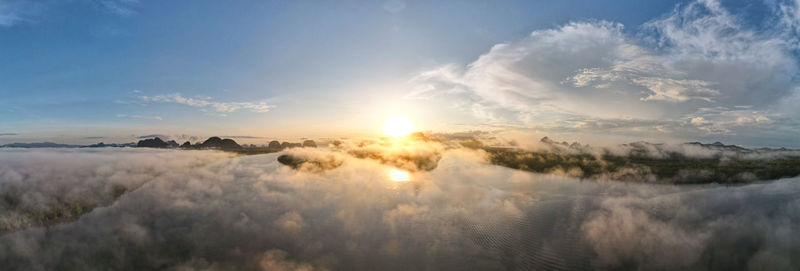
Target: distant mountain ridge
[(230, 144), (641, 161), (644, 146), (225, 144), (40, 145), (57, 145), (112, 145), (722, 147), (212, 143), (156, 143)]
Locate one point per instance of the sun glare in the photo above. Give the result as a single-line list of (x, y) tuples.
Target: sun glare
[(398, 175), (398, 126)]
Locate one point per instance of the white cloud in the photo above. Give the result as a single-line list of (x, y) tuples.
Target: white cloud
[(206, 210), (722, 120), (676, 90), (697, 56), (226, 107)]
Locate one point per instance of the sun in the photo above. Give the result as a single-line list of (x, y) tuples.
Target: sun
[(397, 126), (398, 175)]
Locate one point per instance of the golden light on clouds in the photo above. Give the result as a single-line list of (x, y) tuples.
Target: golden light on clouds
[(399, 175), (397, 126)]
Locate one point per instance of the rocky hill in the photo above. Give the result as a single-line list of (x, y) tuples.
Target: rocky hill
[(156, 143), (219, 143)]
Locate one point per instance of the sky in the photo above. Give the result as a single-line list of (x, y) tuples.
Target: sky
[(617, 71)]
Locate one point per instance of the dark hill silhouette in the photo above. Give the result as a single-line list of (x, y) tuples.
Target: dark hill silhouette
[(219, 143), (152, 143), (112, 145), (172, 144), (274, 144), (309, 144)]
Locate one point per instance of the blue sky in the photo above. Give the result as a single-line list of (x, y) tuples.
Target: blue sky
[(73, 71)]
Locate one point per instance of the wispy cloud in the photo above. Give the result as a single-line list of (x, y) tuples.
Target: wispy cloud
[(14, 12), (154, 135), (8, 134), (227, 107), (121, 7), (139, 117)]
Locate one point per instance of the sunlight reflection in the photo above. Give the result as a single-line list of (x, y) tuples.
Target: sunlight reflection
[(398, 175)]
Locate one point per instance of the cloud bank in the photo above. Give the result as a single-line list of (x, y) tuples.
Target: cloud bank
[(204, 210), (696, 71)]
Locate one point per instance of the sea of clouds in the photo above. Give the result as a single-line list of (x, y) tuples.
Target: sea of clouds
[(207, 210)]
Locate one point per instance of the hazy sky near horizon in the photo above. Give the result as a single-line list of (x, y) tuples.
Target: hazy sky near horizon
[(87, 71)]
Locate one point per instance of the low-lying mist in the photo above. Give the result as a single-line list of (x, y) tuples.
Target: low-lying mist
[(686, 163), (208, 210)]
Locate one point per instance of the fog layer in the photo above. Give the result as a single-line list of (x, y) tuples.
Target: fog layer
[(204, 210)]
